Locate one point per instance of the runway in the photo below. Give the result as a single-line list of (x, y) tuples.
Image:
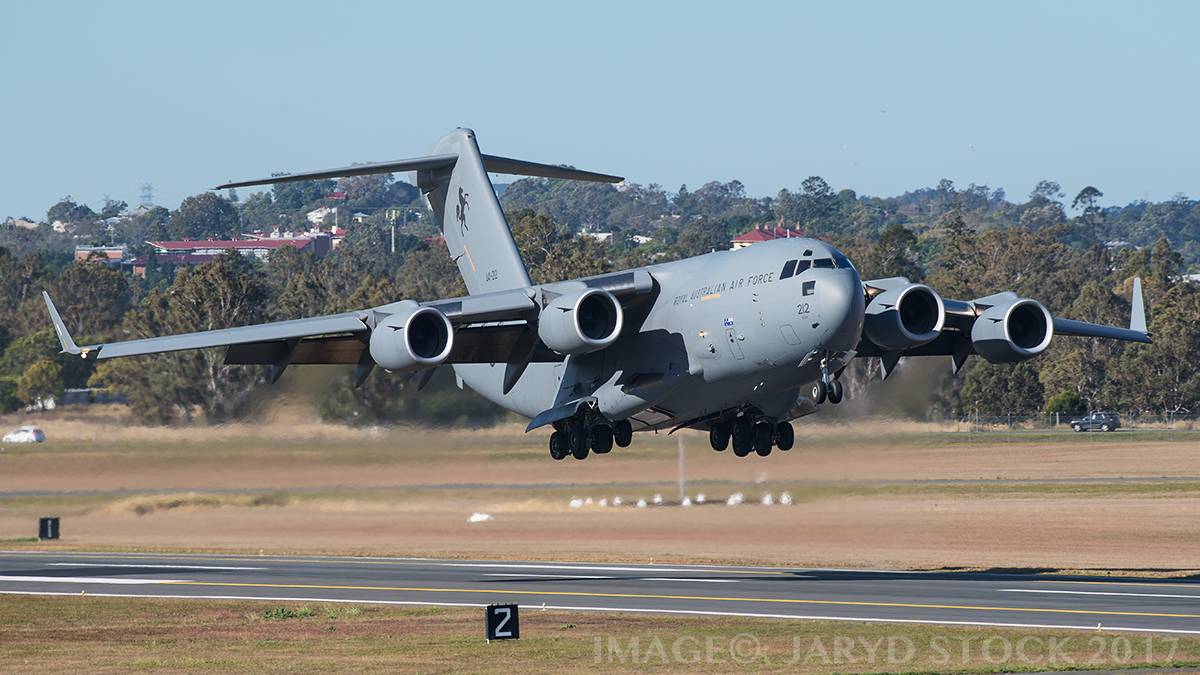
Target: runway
[(1124, 604)]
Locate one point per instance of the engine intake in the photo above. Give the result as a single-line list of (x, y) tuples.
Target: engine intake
[(414, 338), (904, 317), (1012, 331), (581, 322)]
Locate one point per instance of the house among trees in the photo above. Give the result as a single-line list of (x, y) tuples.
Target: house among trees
[(764, 234)]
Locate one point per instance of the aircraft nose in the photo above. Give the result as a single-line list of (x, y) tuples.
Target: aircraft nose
[(843, 307)]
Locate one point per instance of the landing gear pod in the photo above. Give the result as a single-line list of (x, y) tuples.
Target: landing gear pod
[(412, 339), (581, 322), (1012, 331), (904, 317)]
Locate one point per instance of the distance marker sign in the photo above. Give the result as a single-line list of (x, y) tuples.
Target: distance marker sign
[(502, 623)]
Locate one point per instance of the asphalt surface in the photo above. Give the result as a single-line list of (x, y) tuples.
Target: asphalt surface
[(1168, 606)]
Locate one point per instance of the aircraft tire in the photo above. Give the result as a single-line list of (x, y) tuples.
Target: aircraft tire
[(785, 436), (602, 439), (835, 392), (577, 441), (558, 445), (743, 437), (818, 392), (718, 436), (623, 433), (763, 436)]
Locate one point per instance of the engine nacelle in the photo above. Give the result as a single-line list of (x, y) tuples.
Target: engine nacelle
[(581, 322), (1012, 331), (904, 317), (412, 339)]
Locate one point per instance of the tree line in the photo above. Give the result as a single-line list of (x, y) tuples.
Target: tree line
[(965, 243)]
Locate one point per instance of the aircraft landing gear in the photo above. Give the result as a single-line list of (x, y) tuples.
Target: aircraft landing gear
[(764, 436), (622, 433), (818, 392), (602, 439), (558, 445), (743, 436), (835, 392), (577, 441), (718, 436), (785, 436)]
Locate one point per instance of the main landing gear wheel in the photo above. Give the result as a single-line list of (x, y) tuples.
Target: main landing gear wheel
[(743, 437), (835, 392), (577, 441), (623, 433), (602, 439), (763, 436), (558, 445), (785, 437), (818, 392), (718, 436)]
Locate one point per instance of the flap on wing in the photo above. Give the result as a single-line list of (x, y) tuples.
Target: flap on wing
[(346, 349)]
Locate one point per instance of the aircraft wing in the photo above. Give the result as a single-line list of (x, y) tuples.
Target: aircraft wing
[(489, 328), (956, 337)]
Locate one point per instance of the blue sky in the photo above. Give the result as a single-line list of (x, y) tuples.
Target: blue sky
[(98, 98)]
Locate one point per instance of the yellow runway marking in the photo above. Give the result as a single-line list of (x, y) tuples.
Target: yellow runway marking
[(688, 597)]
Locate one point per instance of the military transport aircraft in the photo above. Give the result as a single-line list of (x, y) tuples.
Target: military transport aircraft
[(734, 342)]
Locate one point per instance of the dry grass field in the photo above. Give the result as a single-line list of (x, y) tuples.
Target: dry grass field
[(868, 495)]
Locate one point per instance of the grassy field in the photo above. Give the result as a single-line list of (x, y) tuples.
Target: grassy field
[(118, 635)]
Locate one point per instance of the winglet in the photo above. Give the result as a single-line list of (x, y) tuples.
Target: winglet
[(1137, 316), (68, 345)]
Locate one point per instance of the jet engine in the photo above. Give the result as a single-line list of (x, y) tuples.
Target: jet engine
[(412, 339), (1012, 330), (904, 317), (581, 322)]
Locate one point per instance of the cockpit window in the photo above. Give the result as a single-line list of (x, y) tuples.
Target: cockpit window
[(807, 252), (823, 264), (842, 262), (789, 268), (803, 265)]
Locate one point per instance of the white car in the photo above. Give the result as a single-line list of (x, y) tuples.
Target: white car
[(25, 434)]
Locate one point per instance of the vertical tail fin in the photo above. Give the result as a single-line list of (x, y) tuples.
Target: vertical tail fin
[(453, 176), (466, 206)]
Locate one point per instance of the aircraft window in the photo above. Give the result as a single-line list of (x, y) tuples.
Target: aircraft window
[(807, 252), (823, 264), (789, 268), (843, 263), (803, 265)]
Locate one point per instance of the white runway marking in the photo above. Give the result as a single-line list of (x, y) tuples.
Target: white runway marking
[(602, 568), (93, 580), (581, 576), (1133, 595), (156, 567), (633, 610)]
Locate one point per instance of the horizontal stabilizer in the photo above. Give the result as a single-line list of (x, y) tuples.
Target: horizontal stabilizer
[(418, 164), (494, 165), (518, 167)]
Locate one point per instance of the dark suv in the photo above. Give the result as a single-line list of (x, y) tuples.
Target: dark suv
[(1104, 421)]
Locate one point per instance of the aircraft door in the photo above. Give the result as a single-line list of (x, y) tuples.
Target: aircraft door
[(734, 341)]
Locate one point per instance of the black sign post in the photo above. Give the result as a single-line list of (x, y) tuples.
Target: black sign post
[(48, 528), (502, 623)]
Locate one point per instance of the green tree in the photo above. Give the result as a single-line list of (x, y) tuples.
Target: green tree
[(549, 252), (1163, 376), (1092, 221), (204, 215), (91, 297), (162, 388), (895, 254), (1002, 388), (8, 394), (1065, 403), (41, 383)]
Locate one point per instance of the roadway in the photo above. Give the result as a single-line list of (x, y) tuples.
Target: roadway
[(1126, 604)]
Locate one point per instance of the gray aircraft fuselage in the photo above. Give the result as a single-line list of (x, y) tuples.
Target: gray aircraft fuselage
[(724, 330)]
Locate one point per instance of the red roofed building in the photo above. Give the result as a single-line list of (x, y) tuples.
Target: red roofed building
[(764, 234)]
